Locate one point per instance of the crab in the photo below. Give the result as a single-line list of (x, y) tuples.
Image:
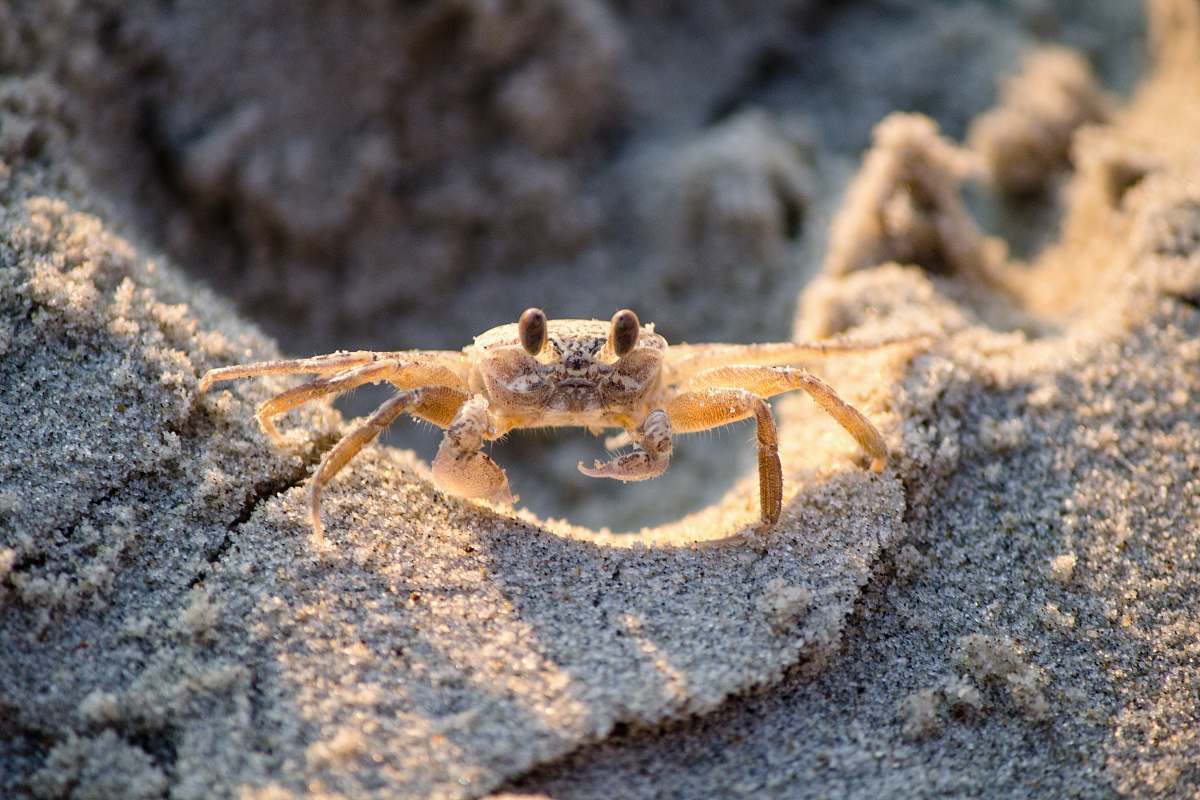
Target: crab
[(568, 372)]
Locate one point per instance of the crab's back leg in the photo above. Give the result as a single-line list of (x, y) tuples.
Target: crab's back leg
[(700, 410), (332, 362), (687, 360), (769, 381), (400, 374), (341, 372), (438, 404)]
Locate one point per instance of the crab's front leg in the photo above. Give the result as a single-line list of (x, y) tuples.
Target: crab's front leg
[(649, 459), (692, 411), (460, 467)]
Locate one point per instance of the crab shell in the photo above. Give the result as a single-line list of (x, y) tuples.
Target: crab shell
[(576, 378)]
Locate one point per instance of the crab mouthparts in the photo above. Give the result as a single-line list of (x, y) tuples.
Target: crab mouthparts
[(576, 383)]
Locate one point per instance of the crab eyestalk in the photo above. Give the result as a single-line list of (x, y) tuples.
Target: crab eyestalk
[(532, 328), (624, 331)]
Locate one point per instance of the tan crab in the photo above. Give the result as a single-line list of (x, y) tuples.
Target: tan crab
[(588, 373)]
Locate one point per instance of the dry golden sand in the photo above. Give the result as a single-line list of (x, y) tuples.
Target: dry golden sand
[(1009, 609)]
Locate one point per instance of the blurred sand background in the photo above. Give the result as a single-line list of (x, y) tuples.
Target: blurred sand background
[(392, 177), (1010, 610)]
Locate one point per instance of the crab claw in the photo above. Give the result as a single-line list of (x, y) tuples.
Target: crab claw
[(648, 460), (470, 474), (504, 497), (636, 466)]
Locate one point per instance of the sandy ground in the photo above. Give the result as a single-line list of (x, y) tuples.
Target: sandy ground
[(1009, 610)]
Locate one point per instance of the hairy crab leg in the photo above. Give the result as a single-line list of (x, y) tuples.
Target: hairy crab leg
[(769, 381), (332, 362), (703, 409), (683, 361), (438, 404), (396, 372), (330, 384)]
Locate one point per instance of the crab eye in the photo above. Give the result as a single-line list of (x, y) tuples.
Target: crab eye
[(532, 328), (623, 335)]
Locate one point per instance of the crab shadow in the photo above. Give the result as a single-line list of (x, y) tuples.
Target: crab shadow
[(481, 644)]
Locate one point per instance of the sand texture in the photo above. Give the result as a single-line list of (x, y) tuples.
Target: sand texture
[(1009, 609)]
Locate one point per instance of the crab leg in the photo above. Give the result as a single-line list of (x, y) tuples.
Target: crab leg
[(700, 410), (769, 381), (438, 404), (401, 375), (648, 460), (333, 362), (687, 360), (332, 384)]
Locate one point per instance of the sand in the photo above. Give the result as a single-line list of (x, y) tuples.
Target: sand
[(1008, 610)]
